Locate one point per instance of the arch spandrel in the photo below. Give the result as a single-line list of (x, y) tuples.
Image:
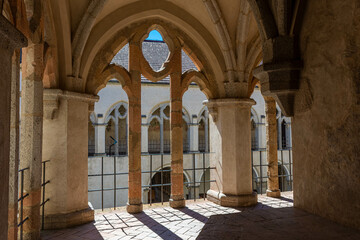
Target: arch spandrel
[(117, 72)]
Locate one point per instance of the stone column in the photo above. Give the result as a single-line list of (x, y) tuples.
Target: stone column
[(176, 136), (134, 204), (100, 139), (14, 145), (144, 135), (65, 144), (194, 135), (10, 39), (31, 134), (230, 133), (271, 148)]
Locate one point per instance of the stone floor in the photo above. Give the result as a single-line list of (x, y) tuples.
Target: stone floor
[(270, 219)]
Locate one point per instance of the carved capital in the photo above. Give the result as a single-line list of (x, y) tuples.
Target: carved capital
[(214, 104), (51, 102), (280, 73)]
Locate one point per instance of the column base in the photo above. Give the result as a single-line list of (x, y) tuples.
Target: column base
[(66, 220), (245, 200), (177, 203), (273, 193), (134, 208)]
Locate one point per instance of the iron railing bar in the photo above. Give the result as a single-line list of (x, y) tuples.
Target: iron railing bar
[(43, 184), (198, 182), (23, 197), (194, 177), (150, 180), (114, 182), (261, 175), (102, 183), (22, 170), (162, 180), (196, 169), (204, 174), (22, 222), (43, 203)]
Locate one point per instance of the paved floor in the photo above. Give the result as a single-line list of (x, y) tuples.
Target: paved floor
[(271, 218)]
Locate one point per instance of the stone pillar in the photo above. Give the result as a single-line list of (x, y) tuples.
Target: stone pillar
[(31, 134), (65, 144), (10, 39), (100, 139), (14, 145), (194, 135), (134, 204), (230, 133), (144, 135), (271, 148), (176, 136)]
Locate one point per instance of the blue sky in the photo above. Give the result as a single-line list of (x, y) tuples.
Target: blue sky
[(155, 36)]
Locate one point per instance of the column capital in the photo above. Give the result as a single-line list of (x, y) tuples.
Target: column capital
[(53, 96), (214, 104)]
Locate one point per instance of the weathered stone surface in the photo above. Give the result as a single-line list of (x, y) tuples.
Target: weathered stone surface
[(231, 143), (65, 145), (134, 114), (10, 38), (176, 137), (326, 138), (14, 145)]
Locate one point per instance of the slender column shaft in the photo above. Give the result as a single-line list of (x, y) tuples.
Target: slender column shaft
[(134, 132), (31, 135), (194, 135), (117, 133), (207, 147), (14, 145), (144, 135), (176, 136), (271, 147), (100, 139)]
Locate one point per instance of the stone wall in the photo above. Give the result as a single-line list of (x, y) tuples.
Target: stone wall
[(326, 131)]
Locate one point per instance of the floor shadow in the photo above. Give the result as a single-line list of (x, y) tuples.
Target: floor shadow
[(287, 199), (193, 214), (86, 231), (282, 223), (156, 227)]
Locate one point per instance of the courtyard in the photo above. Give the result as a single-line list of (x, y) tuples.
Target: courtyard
[(271, 218)]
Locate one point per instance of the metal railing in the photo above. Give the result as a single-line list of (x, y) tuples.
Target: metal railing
[(203, 169), (21, 219), (44, 199), (260, 167), (151, 187)]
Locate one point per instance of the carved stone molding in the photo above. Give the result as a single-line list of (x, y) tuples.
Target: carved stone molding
[(280, 73), (214, 104), (52, 100)]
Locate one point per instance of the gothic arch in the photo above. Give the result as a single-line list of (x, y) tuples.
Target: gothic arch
[(104, 41)]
